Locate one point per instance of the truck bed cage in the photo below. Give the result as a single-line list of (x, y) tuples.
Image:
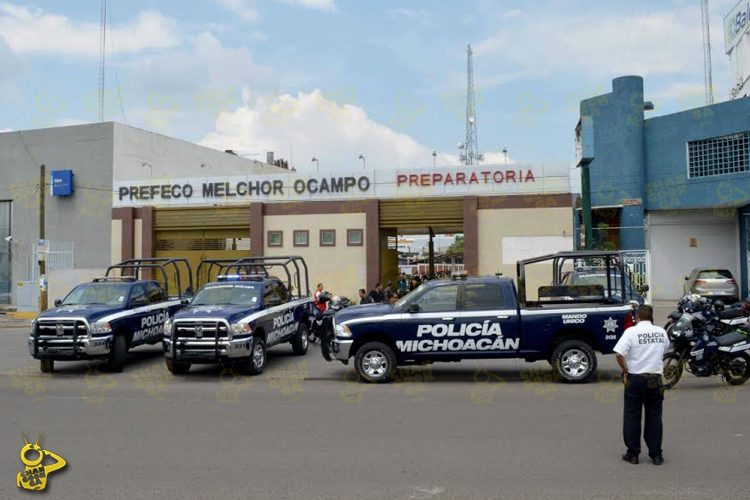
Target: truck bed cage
[(609, 261), (135, 266), (293, 266)]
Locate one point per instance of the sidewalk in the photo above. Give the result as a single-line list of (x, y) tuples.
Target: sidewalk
[(10, 322)]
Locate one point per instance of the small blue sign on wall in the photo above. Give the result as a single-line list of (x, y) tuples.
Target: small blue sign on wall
[(62, 182)]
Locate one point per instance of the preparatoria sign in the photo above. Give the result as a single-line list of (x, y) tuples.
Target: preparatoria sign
[(458, 181)]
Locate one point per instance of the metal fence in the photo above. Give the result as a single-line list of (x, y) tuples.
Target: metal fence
[(638, 262), (59, 257)]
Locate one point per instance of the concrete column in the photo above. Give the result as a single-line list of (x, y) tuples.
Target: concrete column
[(257, 231), (471, 235), (372, 242)]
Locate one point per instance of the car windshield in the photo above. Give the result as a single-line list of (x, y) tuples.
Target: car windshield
[(409, 296), (227, 294), (110, 294)]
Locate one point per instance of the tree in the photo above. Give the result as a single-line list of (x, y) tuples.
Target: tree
[(457, 247)]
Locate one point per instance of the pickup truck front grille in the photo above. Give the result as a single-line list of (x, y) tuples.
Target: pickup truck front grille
[(208, 330), (60, 329)]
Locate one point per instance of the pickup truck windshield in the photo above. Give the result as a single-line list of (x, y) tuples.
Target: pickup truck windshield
[(111, 294), (227, 294), (410, 296)]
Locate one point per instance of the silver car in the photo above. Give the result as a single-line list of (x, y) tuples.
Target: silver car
[(712, 283)]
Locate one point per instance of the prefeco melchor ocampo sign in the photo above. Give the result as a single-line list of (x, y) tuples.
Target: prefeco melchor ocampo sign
[(481, 180)]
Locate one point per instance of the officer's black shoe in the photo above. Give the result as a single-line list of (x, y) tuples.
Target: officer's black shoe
[(657, 460), (631, 459)]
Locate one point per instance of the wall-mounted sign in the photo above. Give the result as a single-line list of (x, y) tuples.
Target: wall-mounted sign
[(413, 183), (736, 24), (62, 182)]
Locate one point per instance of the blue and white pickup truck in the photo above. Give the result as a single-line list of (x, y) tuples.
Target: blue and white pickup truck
[(236, 317), (489, 318), (107, 317)]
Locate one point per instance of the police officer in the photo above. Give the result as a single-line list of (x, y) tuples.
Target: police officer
[(639, 352)]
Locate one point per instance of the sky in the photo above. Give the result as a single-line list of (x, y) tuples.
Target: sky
[(335, 79)]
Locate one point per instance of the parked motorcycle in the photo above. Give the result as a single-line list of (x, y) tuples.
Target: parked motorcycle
[(324, 324), (731, 318), (701, 345)]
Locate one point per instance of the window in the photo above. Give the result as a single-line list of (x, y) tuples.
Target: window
[(328, 237), (275, 238), (354, 237), (155, 294), (483, 297), (439, 299), (728, 154), (138, 296), (301, 238)]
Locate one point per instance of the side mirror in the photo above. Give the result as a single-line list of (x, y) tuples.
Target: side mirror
[(185, 302), (687, 278), (58, 302), (413, 308), (643, 288)]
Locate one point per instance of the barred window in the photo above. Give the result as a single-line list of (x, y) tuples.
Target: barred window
[(728, 154)]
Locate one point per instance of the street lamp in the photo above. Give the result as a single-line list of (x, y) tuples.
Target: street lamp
[(317, 163), (434, 158), (150, 167), (364, 162), (505, 154)]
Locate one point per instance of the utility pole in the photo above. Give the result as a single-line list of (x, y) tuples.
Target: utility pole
[(707, 69), (470, 146), (41, 258)]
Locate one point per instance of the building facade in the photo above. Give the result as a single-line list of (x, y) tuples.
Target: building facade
[(677, 185)]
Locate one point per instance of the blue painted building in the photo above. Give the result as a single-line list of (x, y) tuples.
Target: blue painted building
[(677, 185)]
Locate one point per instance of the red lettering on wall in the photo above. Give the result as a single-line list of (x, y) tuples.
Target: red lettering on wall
[(460, 178), (486, 176), (473, 179), (413, 180), (400, 179), (424, 179), (498, 177), (530, 176), (448, 179), (510, 176), (437, 178)]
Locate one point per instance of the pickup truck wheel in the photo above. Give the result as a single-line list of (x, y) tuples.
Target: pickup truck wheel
[(118, 354), (300, 341), (177, 367), (375, 362), (574, 360), (257, 361), (47, 365)]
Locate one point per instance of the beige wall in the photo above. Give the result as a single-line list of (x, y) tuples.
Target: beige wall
[(62, 282), (116, 239), (342, 269), (496, 224)]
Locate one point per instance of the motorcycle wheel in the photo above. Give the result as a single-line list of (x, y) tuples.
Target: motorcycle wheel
[(673, 366), (737, 370)]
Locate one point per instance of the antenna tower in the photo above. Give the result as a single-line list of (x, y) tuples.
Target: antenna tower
[(470, 154), (102, 56), (707, 77)]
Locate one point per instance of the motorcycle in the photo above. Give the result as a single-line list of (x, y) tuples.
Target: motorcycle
[(730, 318), (324, 328), (701, 345)]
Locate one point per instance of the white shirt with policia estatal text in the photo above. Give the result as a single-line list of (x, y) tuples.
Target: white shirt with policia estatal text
[(643, 347)]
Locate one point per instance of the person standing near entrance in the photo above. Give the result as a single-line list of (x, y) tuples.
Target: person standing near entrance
[(639, 353)]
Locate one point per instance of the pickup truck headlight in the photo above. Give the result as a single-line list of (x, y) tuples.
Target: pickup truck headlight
[(168, 327), (343, 331), (240, 329), (100, 327), (33, 325)]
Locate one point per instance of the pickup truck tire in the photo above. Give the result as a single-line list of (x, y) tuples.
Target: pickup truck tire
[(574, 361), (300, 342), (47, 365), (118, 354), (177, 367), (375, 362), (256, 363)]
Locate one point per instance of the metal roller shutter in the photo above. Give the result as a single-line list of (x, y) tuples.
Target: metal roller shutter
[(167, 219), (446, 214)]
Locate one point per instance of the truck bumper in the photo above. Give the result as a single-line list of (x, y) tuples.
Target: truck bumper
[(207, 351), (342, 348), (70, 348)]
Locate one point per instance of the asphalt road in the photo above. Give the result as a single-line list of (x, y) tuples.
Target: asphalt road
[(307, 429)]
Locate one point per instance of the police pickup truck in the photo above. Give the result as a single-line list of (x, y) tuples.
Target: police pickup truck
[(489, 318), (236, 317), (107, 317)]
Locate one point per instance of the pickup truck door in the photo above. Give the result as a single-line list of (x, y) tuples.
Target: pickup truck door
[(424, 333), (279, 323), (488, 315)]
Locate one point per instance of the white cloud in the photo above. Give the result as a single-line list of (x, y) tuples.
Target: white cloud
[(32, 30), (420, 15), (325, 5), (3, 130), (513, 14), (315, 126), (244, 9), (660, 42)]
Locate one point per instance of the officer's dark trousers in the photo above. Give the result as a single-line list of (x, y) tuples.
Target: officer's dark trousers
[(643, 392)]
